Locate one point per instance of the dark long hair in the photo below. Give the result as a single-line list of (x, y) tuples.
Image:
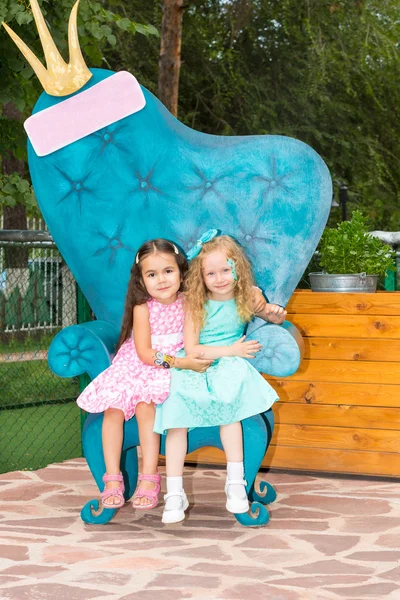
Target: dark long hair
[(137, 293)]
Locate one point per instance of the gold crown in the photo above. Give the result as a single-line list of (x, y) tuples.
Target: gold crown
[(60, 78)]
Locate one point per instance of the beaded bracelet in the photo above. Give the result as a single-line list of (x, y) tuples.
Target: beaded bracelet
[(163, 360)]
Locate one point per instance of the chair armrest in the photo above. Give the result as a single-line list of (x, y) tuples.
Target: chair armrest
[(85, 348), (282, 347)]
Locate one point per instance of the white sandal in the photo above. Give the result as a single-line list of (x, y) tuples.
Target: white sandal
[(176, 513), (233, 503)]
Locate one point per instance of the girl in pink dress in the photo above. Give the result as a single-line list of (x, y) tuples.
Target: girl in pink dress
[(139, 377)]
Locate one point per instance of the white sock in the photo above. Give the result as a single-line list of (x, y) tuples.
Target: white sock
[(174, 485), (235, 471)]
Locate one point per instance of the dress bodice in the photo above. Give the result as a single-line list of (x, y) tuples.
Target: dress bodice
[(166, 318), (223, 326)]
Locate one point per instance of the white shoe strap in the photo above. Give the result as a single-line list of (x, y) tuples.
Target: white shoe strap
[(171, 494), (236, 482)]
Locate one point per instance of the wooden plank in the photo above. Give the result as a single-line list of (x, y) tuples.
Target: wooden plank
[(333, 461), (352, 349), (318, 303), (361, 394), (347, 326), (314, 459), (365, 417), (207, 456), (347, 371), (342, 438)]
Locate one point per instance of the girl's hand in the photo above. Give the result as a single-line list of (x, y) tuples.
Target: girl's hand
[(245, 349), (275, 313), (193, 362)]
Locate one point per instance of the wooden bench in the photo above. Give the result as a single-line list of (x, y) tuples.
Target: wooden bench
[(340, 412)]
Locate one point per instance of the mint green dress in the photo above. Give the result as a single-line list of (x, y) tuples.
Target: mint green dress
[(229, 391)]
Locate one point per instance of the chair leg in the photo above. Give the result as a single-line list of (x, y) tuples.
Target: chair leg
[(255, 442), (267, 493), (129, 470)]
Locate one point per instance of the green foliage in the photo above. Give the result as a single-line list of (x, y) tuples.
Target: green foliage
[(350, 249), (98, 28), (324, 71), (14, 190)]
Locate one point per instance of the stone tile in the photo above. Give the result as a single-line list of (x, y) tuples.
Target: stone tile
[(340, 506), (64, 474), (390, 540), (375, 591), (36, 571), (14, 476), (330, 544), (286, 512), (4, 579), (393, 574), (264, 541), (375, 556), (137, 563), (234, 570), (264, 592), (200, 523), (28, 531), (14, 552), (48, 522), (185, 581), (320, 581), (70, 555), (157, 595), (209, 534), (213, 552), (50, 591), (132, 546), (105, 578), (368, 525), (331, 567), (298, 524), (22, 509), (27, 491)]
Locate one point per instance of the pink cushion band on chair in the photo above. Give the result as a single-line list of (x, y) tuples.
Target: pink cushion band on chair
[(106, 102)]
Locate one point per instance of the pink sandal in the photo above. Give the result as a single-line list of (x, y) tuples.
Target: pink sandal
[(118, 492), (151, 495)]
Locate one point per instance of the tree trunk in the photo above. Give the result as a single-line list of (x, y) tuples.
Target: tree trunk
[(14, 217), (170, 54)]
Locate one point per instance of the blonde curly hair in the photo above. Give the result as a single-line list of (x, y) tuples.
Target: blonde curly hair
[(195, 291)]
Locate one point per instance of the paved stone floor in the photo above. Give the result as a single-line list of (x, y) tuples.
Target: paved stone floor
[(328, 538)]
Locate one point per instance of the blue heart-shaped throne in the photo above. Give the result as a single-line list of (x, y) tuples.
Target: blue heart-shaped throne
[(149, 176)]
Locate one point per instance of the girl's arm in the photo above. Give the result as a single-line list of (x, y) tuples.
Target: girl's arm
[(273, 313), (144, 350), (240, 348)]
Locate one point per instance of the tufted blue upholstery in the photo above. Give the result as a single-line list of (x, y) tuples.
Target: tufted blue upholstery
[(149, 176)]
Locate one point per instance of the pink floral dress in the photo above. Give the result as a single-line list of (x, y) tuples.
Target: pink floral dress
[(128, 380)]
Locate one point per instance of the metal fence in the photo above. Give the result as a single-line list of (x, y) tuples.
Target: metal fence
[(39, 419)]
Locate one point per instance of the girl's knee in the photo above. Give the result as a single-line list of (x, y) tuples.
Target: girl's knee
[(114, 413)]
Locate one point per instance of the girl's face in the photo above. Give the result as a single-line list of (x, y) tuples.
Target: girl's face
[(161, 277), (217, 276)]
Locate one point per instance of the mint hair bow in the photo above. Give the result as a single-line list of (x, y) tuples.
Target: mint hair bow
[(206, 237)]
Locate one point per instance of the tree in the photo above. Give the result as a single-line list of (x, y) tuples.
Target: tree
[(170, 54)]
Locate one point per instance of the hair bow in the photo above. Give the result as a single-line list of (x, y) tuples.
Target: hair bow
[(206, 237)]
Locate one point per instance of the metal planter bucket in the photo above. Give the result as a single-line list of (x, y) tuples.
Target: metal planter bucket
[(322, 282)]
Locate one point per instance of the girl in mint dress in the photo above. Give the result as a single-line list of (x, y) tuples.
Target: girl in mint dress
[(219, 297)]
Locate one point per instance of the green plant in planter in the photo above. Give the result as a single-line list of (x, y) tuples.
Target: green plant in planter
[(350, 249)]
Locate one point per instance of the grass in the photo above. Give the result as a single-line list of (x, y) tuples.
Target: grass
[(31, 438), (32, 381), (28, 341)]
